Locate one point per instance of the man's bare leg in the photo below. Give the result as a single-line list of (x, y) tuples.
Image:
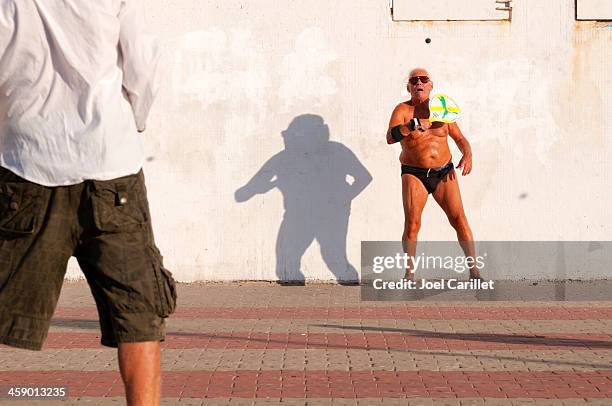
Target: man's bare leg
[(140, 367), (448, 196), (414, 197)]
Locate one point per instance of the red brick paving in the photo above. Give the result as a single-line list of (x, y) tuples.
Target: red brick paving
[(358, 341), (376, 312), (338, 384), (332, 376)]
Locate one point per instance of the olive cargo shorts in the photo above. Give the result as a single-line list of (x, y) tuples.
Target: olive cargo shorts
[(106, 226)]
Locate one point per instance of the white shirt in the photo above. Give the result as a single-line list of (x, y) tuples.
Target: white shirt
[(76, 82)]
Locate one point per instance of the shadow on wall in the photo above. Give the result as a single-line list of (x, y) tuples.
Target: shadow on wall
[(318, 179)]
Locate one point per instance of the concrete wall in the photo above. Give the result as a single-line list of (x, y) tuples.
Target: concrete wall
[(535, 93)]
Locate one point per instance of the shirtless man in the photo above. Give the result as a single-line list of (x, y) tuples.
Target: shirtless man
[(427, 166)]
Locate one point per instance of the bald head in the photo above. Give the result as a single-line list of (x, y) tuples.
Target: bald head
[(419, 72)]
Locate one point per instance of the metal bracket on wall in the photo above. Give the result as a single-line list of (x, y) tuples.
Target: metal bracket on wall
[(507, 6), (451, 10)]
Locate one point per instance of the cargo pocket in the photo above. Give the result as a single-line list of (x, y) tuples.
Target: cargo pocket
[(165, 285), (22, 208), (119, 205), (22, 211)]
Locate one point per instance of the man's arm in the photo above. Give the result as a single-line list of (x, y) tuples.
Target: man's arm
[(359, 173), (464, 147), (398, 118), (7, 30), (139, 53), (261, 182)]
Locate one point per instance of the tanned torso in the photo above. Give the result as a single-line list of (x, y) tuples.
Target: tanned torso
[(428, 150)]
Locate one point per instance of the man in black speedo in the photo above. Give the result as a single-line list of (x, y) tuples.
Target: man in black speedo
[(427, 167)]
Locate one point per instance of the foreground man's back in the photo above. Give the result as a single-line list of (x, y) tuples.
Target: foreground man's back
[(76, 85), (63, 65)]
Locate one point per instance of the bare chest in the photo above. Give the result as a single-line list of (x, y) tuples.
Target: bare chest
[(437, 129)]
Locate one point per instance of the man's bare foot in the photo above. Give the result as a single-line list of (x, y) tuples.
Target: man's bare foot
[(409, 275)]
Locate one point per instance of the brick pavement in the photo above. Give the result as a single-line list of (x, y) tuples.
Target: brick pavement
[(261, 344)]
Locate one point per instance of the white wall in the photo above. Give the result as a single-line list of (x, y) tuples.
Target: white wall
[(535, 94)]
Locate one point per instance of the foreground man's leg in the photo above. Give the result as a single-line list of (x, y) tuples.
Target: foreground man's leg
[(133, 291), (139, 364)]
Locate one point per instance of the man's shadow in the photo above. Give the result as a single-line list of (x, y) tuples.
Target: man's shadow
[(318, 179)]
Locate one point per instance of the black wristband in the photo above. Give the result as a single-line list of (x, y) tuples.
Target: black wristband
[(396, 134)]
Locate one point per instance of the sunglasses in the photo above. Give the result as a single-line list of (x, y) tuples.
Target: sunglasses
[(415, 79)]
